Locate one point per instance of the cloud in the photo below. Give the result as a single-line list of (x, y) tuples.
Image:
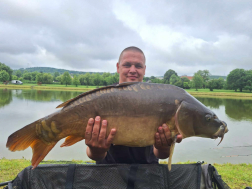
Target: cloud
[(89, 36)]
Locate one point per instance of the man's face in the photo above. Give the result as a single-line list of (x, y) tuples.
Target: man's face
[(131, 67)]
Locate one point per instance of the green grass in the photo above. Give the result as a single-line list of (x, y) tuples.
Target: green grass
[(216, 91), (235, 175), (220, 93)]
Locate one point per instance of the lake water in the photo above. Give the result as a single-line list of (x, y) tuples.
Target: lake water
[(21, 107)]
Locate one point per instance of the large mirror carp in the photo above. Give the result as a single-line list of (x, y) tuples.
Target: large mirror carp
[(136, 110)]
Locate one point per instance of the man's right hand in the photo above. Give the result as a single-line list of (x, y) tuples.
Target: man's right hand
[(95, 138)]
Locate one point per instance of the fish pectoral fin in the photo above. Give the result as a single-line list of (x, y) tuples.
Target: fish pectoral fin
[(40, 150), (70, 140), (171, 152)]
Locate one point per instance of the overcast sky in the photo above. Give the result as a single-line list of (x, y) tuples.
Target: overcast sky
[(86, 35)]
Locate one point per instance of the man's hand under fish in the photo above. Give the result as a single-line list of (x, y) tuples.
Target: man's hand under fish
[(98, 144)]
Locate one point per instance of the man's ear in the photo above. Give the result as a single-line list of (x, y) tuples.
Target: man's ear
[(144, 69), (117, 66)]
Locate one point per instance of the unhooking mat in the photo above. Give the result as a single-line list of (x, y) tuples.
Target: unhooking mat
[(115, 176)]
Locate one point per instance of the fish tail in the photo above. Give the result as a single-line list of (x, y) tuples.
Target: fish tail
[(22, 139), (40, 150), (27, 136)]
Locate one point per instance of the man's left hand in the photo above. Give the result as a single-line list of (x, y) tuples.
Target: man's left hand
[(163, 141), (163, 137)]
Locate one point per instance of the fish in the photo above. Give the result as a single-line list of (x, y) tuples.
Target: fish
[(134, 109)]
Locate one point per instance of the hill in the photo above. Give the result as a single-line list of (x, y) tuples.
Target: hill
[(52, 70)]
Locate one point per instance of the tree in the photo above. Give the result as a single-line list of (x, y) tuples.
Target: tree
[(146, 79), (66, 79), (116, 78), (27, 76), (248, 80), (205, 75), (34, 75), (106, 74), (173, 79), (219, 83), (82, 79), (14, 77), (197, 81), (156, 80), (88, 79), (18, 73), (211, 84), (47, 78), (185, 79), (4, 76), (55, 75), (168, 75), (186, 85), (112, 79), (59, 79), (97, 79), (76, 81), (39, 78), (7, 69), (236, 79)]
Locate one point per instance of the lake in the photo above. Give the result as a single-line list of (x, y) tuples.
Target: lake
[(21, 107)]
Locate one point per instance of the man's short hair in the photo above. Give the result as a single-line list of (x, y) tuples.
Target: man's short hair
[(131, 48)]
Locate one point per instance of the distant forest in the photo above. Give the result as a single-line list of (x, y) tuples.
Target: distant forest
[(52, 70), (71, 72)]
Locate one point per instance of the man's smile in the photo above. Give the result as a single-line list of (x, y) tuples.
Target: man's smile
[(132, 77)]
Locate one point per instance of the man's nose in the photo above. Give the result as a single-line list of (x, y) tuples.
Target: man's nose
[(132, 68)]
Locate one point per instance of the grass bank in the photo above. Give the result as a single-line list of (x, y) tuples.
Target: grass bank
[(49, 87), (200, 93), (235, 175), (219, 93)]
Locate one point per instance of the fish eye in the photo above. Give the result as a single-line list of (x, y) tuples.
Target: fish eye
[(208, 117)]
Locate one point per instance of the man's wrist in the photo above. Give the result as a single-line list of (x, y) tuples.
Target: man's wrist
[(95, 155)]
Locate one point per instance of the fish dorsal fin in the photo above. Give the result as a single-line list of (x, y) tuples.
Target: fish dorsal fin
[(64, 104)]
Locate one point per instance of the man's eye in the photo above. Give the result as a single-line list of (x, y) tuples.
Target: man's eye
[(139, 66), (127, 65)]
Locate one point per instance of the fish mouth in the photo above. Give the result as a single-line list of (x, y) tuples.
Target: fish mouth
[(221, 131)]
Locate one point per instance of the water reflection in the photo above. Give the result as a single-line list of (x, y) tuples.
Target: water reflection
[(211, 102), (5, 97), (35, 95), (237, 109)]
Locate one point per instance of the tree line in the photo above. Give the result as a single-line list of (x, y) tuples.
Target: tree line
[(237, 79)]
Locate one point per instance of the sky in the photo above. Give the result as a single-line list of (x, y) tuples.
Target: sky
[(84, 35)]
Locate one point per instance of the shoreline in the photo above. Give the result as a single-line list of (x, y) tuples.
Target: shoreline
[(203, 93), (51, 88)]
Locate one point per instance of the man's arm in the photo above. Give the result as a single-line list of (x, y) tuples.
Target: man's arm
[(163, 141), (95, 139)]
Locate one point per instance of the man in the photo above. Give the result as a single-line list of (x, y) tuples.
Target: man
[(131, 68)]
